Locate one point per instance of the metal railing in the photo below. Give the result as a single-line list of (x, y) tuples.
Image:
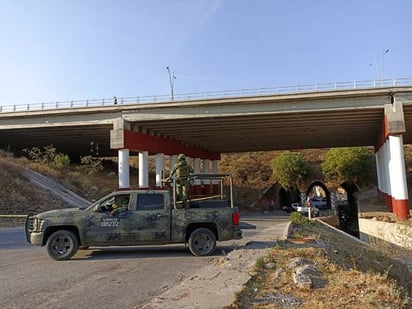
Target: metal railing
[(300, 88)]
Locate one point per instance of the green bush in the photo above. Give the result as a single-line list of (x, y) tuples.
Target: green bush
[(91, 165), (60, 161), (298, 219), (48, 156)]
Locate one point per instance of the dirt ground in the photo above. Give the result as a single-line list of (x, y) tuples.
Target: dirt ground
[(349, 274)]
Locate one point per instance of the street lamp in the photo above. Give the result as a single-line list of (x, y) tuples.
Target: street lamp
[(381, 70), (172, 78), (384, 52)]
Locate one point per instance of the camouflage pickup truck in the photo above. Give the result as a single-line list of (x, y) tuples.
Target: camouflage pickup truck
[(141, 217)]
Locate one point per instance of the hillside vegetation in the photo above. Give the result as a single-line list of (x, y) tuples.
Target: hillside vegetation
[(92, 178), (20, 196), (251, 171)]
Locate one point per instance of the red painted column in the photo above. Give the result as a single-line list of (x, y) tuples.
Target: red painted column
[(397, 174)]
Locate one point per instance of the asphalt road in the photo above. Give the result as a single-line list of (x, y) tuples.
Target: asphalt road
[(115, 277)]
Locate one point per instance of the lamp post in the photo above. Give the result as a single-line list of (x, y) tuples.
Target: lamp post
[(172, 78), (384, 52), (381, 69)]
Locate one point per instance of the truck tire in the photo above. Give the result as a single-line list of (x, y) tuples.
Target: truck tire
[(62, 245), (202, 242)]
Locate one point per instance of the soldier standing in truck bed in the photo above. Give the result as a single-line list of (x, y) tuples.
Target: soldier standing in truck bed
[(181, 171)]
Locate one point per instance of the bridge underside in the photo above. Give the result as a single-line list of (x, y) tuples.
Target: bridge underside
[(216, 126), (221, 134)]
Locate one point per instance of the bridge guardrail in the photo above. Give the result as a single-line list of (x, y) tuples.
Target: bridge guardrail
[(319, 87)]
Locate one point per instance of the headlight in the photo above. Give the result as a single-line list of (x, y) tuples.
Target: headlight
[(34, 224), (31, 223)]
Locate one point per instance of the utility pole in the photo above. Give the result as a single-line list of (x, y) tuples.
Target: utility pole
[(172, 78)]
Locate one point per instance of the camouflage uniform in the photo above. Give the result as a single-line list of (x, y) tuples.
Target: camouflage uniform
[(181, 170), (121, 203)]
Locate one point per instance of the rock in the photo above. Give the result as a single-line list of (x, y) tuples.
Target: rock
[(302, 281), (299, 262), (278, 273), (283, 300), (307, 277)]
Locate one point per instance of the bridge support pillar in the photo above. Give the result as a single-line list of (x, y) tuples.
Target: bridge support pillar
[(379, 172), (173, 160), (391, 171), (397, 175), (197, 184), (206, 182), (123, 169), (215, 183), (124, 139), (159, 170), (143, 170), (384, 184)]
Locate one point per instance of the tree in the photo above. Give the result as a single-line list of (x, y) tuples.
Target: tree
[(248, 169), (348, 164), (290, 169)]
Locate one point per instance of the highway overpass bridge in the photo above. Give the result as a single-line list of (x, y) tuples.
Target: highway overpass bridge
[(359, 114)]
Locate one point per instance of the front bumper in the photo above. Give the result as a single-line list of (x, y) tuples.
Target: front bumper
[(35, 239)]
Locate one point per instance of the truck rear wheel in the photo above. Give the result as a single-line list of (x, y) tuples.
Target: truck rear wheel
[(202, 242), (62, 245)]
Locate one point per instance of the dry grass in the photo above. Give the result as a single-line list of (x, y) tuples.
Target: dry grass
[(343, 289), (355, 277), (20, 197)]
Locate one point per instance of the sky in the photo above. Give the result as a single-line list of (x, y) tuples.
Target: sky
[(57, 50)]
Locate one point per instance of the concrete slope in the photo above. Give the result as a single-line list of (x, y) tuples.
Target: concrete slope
[(50, 185), (58, 190)]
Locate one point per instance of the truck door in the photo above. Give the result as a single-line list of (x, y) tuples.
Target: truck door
[(151, 219), (109, 222)]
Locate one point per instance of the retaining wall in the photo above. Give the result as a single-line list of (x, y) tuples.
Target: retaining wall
[(395, 233)]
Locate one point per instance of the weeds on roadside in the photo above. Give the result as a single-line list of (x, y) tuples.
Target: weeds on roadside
[(298, 219), (356, 276), (260, 262), (344, 288)]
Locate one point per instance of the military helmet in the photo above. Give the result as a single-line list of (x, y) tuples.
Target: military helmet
[(181, 157)]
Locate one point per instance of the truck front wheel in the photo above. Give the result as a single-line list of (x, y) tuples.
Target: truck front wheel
[(202, 242), (62, 245)]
